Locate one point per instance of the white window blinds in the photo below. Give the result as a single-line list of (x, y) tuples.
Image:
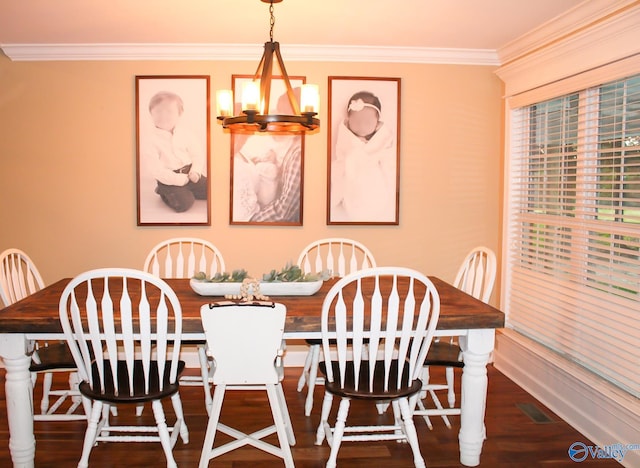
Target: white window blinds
[(573, 259)]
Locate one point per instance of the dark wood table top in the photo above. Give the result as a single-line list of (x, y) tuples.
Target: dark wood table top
[(38, 313)]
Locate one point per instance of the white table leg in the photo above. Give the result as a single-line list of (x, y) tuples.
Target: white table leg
[(19, 396), (476, 349)]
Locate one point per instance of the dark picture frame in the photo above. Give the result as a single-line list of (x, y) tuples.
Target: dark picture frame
[(267, 170), (363, 162), (173, 148)]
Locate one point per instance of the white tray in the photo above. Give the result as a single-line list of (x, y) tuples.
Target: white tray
[(298, 288)]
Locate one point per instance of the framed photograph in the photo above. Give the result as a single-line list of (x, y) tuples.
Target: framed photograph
[(267, 169), (363, 168), (173, 146)]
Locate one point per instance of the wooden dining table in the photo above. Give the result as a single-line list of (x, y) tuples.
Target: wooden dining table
[(36, 318)]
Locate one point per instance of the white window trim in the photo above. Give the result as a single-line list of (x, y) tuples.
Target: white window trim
[(600, 46)]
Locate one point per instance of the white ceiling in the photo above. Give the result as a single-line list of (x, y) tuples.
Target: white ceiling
[(458, 24)]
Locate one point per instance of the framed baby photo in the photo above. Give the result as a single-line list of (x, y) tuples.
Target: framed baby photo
[(363, 161), (267, 168), (173, 148)]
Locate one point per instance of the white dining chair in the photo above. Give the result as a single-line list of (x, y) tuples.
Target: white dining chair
[(183, 257), (340, 256), (245, 340), (20, 278), (384, 320), (476, 277), (117, 323)]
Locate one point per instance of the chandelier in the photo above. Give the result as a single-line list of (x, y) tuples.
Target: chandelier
[(257, 93)]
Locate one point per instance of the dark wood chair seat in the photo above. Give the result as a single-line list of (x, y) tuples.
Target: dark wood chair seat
[(140, 395), (318, 341), (52, 357), (444, 353), (378, 392)]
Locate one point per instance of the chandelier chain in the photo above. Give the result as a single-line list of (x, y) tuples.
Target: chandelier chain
[(272, 21)]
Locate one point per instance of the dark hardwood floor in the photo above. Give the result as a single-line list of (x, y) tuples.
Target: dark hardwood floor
[(514, 438)]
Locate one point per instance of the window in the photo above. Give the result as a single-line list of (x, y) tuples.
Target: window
[(573, 262)]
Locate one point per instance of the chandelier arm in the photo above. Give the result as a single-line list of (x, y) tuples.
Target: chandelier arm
[(267, 74), (292, 97), (257, 74)]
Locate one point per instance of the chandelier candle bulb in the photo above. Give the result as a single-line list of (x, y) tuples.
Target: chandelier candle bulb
[(309, 98), (224, 101), (250, 96)]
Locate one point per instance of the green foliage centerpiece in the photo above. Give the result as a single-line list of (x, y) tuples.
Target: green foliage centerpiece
[(250, 287), (292, 273)]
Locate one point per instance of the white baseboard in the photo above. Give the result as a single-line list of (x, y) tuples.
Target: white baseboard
[(598, 410)]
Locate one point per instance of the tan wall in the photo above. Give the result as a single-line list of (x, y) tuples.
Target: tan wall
[(68, 183)]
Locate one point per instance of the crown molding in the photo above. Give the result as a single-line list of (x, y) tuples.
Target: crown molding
[(226, 52), (611, 38), (584, 16)]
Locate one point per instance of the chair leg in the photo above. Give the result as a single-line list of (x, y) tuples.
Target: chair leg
[(423, 394), (163, 433), (204, 372), (338, 431), (46, 388), (305, 370), (86, 404), (281, 425), (74, 382), (410, 432), (397, 417), (212, 425), (382, 407), (424, 376), (285, 413), (422, 408), (429, 392), (324, 417), (90, 434), (311, 381), (451, 395), (103, 428), (438, 406), (177, 408)]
